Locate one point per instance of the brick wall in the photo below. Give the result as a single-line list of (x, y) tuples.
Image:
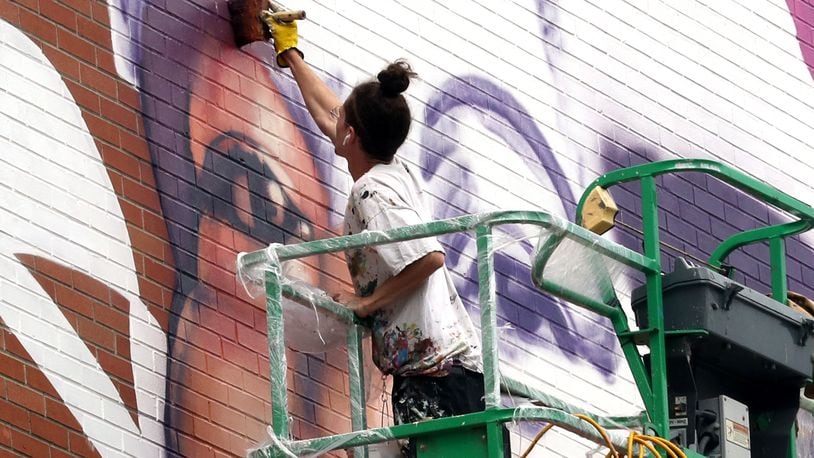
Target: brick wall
[(140, 152)]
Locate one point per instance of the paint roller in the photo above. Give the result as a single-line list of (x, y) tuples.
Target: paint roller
[(247, 23)]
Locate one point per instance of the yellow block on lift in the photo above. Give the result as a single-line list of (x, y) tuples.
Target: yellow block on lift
[(599, 211)]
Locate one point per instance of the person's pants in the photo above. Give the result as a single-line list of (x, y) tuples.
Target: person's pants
[(421, 397)]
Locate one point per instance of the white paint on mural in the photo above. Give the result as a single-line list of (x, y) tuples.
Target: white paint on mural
[(57, 203), (125, 27), (721, 80)]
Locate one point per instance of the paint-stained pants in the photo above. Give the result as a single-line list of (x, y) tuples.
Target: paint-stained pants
[(421, 397)]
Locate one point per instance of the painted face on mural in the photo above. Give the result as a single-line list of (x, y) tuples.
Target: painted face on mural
[(255, 183)]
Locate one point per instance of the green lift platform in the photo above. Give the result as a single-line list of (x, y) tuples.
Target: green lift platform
[(479, 434)]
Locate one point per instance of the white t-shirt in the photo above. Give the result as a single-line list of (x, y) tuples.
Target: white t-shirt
[(427, 329)]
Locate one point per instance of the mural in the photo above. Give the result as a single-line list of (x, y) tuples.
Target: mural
[(548, 96), (54, 182)]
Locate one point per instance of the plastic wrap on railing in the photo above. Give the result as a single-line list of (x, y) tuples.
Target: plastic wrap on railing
[(568, 268), (308, 326), (382, 442), (251, 269)]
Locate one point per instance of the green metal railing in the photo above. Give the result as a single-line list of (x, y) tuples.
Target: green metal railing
[(651, 384), (775, 235), (483, 226)]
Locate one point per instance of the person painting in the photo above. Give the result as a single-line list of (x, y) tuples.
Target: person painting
[(421, 333)]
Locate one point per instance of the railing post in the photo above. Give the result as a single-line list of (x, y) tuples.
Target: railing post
[(356, 378), (655, 307), (777, 255), (277, 359), (488, 322)]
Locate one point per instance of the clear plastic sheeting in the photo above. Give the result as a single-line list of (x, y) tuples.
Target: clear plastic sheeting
[(570, 265), (252, 273), (308, 327), (383, 445)]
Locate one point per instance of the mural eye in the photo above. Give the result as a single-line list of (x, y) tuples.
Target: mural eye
[(247, 192)]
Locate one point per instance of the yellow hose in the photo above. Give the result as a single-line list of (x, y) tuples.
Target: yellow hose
[(645, 442), (536, 439)]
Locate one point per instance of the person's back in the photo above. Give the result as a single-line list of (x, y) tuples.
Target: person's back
[(422, 334), (426, 330)]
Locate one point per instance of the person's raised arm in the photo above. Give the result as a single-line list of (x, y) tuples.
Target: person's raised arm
[(319, 98)]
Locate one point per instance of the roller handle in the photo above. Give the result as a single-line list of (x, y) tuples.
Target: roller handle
[(288, 15), (280, 13)]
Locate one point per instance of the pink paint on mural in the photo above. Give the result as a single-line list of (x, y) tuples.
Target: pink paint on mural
[(803, 13)]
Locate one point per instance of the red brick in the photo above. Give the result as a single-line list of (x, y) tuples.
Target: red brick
[(115, 158), (72, 44), (93, 31), (84, 97), (10, 12), (5, 439), (331, 420), (116, 181), (30, 4), (66, 17), (67, 64), (155, 224), (224, 370), (152, 294), (105, 60), (14, 415), (146, 243), (111, 317), (80, 6), (141, 194), (115, 366), (159, 272), (57, 453), (98, 81), (70, 299), (132, 214), (119, 114), (128, 395), (91, 287), (13, 346), (136, 145), (99, 13), (36, 380), (82, 446), (26, 397), (37, 26), (57, 411), (128, 95), (28, 445), (102, 129), (93, 333), (49, 431), (193, 447), (147, 177), (161, 313), (122, 346), (210, 432)]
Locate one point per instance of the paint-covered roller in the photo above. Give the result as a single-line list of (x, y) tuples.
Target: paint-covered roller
[(247, 23)]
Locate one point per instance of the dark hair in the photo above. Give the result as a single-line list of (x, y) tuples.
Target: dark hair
[(379, 112)]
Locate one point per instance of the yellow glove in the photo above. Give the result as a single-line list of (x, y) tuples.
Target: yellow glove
[(284, 35)]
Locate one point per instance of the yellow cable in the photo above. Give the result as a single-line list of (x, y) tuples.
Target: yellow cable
[(648, 445), (667, 445), (536, 439), (601, 433)]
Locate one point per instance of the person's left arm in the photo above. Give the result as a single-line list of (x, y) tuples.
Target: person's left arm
[(410, 278)]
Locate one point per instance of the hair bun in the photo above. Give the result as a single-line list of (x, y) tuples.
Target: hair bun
[(395, 78)]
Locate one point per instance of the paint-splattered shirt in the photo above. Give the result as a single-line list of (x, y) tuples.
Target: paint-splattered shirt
[(428, 328)]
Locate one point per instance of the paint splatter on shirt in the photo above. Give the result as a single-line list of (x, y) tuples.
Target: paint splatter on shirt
[(428, 328)]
